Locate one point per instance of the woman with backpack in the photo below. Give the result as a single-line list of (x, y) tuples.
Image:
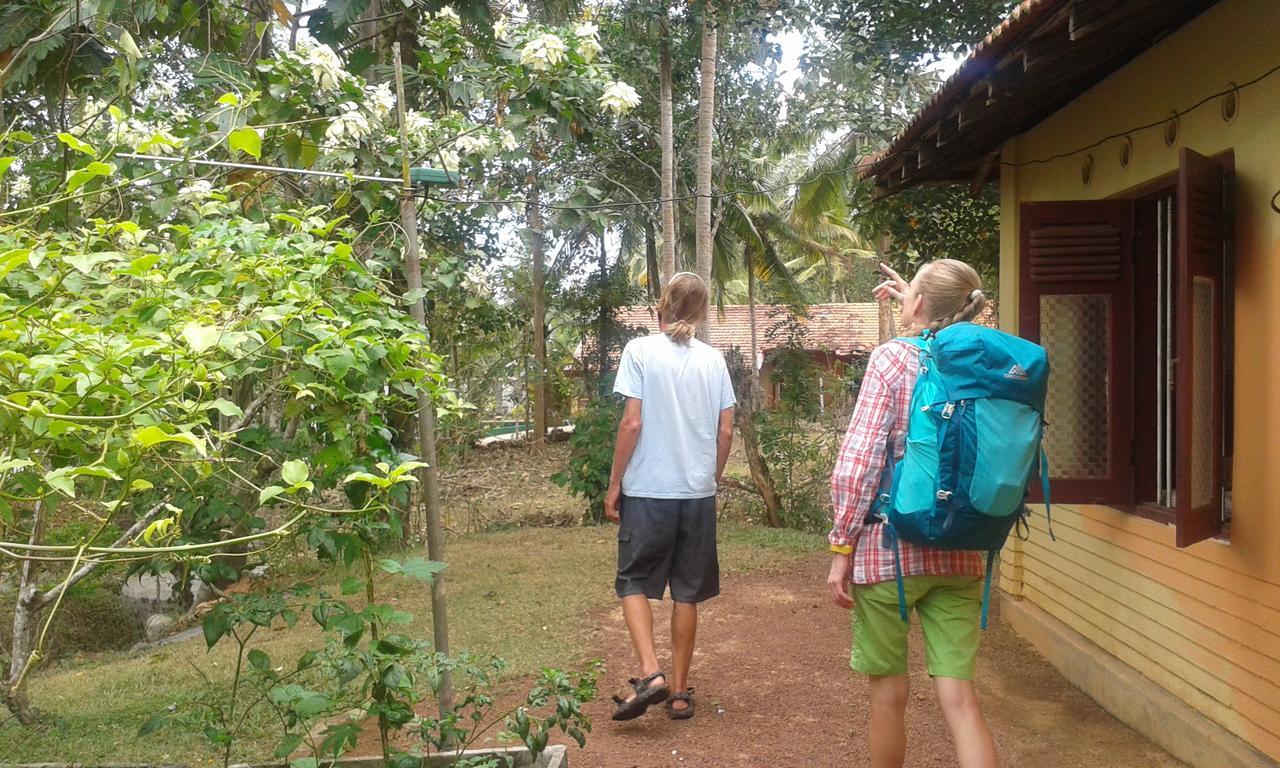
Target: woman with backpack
[(944, 586)]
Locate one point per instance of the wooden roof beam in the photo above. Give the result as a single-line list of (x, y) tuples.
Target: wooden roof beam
[(1090, 17)]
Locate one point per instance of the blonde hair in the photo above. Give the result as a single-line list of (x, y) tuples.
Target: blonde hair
[(683, 305), (952, 293)]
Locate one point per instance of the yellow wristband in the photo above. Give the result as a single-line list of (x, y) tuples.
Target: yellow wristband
[(844, 549)]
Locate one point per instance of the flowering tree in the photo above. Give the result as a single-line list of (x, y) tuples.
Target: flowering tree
[(176, 334)]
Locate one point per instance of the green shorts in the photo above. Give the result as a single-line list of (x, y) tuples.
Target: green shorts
[(949, 608)]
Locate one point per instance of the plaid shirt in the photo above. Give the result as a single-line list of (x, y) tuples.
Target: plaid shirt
[(884, 403)]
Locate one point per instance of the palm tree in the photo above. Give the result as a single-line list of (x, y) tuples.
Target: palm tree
[(706, 131)]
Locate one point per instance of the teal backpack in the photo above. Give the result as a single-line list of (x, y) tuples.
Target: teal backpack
[(973, 438)]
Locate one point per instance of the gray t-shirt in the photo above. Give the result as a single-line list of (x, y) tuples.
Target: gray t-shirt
[(682, 390)]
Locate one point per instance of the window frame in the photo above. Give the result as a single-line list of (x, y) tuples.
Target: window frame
[(1124, 386)]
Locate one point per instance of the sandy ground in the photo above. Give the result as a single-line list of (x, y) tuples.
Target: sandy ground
[(774, 689)]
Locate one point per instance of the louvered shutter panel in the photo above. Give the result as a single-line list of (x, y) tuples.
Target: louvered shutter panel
[(1198, 373), (1076, 300)]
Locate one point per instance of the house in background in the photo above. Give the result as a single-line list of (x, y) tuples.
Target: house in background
[(835, 336), (1137, 148)]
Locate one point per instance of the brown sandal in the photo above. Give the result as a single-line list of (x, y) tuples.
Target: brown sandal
[(681, 714), (647, 694)]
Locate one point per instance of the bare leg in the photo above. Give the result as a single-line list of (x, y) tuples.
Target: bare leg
[(975, 748), (639, 617), (684, 629), (889, 720)]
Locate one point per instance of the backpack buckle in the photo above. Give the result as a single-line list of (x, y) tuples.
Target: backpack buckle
[(944, 495), (948, 410)]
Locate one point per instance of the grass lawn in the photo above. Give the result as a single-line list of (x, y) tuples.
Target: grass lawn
[(525, 595)]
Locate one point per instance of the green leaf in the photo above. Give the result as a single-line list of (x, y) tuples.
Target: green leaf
[(352, 585), (214, 626), (259, 660), (148, 437), (129, 47), (229, 99), (59, 480), (77, 144), (10, 260), (422, 569), (10, 464), (141, 485), (269, 493), (246, 140), (294, 472), (199, 336), (310, 705), (88, 173), (305, 762), (5, 162), (226, 408), (288, 745)]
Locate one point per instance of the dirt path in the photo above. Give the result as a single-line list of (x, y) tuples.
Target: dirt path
[(774, 689)]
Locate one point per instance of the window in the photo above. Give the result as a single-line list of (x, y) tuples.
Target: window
[(1132, 301)]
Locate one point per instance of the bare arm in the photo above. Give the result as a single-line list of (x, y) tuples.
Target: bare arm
[(724, 441), (628, 436)]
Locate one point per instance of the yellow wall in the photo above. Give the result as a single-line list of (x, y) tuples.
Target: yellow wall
[(1203, 622)]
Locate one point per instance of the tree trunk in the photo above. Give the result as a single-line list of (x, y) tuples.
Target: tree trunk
[(26, 618), (534, 223), (257, 43), (652, 270), (667, 140), (745, 418), (706, 124), (755, 344), (602, 341), (887, 330), (31, 603)]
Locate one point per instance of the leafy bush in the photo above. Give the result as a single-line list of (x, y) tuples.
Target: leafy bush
[(591, 456), (797, 441)]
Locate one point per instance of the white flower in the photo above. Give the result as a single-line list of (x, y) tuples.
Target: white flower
[(449, 159), (143, 137), (508, 141), (619, 98), (589, 47), (196, 191), (20, 186), (472, 143), (325, 65), (543, 52), (501, 28), (448, 14), (380, 100), (478, 281), (418, 126), (587, 29), (349, 125)]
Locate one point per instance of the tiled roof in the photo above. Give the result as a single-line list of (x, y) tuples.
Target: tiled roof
[(1044, 55), (843, 329)]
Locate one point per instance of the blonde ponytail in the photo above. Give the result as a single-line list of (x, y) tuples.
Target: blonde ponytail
[(683, 305), (952, 293)]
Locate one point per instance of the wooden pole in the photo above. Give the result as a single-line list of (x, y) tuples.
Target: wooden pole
[(427, 476)]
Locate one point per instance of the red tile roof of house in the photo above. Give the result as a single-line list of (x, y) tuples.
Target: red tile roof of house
[(841, 329)]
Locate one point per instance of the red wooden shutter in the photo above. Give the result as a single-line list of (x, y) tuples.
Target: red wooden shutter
[(1076, 300), (1198, 369)]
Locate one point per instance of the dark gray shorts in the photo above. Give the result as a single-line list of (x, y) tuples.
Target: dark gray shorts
[(668, 541)]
